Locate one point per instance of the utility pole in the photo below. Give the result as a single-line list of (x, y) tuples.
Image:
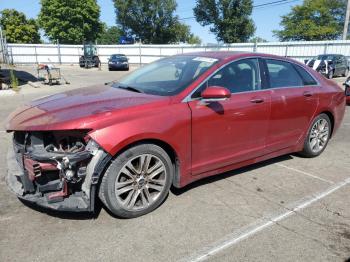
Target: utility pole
[(346, 24)]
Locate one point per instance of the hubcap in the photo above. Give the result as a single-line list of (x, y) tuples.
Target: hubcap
[(140, 182), (319, 135)]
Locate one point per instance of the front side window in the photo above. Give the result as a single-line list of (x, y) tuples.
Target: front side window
[(239, 76), (168, 76), (283, 74)]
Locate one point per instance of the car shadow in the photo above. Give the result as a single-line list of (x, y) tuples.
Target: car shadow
[(176, 191), (66, 214), (211, 179)]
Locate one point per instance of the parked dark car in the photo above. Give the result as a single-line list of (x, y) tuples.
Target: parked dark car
[(329, 65), (347, 90), (171, 122), (117, 62)]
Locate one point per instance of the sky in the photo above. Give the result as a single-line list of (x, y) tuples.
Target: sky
[(266, 18)]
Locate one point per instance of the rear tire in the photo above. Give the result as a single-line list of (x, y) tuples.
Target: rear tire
[(330, 74), (346, 72), (137, 181), (96, 61), (81, 61), (317, 137)]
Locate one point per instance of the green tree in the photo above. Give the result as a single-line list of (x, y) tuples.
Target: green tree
[(229, 19), (18, 28), (257, 39), (193, 40), (153, 21), (313, 20), (70, 22), (109, 35)]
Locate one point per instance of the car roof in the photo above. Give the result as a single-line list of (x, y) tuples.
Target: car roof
[(330, 54), (216, 54), (230, 55)]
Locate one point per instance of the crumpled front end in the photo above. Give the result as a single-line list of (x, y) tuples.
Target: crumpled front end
[(57, 170)]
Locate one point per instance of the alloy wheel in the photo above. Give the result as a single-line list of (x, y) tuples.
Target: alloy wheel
[(319, 135), (140, 182)]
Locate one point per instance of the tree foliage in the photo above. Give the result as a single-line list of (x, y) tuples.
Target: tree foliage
[(152, 21), (18, 28), (228, 19), (70, 22), (313, 20), (257, 39), (109, 35), (193, 40)]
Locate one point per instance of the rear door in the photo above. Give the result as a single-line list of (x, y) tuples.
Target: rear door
[(234, 130), (294, 101), (344, 65), (338, 63)]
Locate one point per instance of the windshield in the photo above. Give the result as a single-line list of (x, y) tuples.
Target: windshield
[(325, 57), (168, 76), (118, 57)]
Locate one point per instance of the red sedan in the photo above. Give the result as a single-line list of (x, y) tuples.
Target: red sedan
[(171, 122)]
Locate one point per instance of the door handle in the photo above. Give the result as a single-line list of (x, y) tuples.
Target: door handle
[(257, 100), (307, 94)]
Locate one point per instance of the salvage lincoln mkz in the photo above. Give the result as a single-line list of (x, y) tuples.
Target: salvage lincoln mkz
[(171, 122)]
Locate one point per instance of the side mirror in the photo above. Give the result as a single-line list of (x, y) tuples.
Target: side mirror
[(305, 61), (214, 94), (347, 95)]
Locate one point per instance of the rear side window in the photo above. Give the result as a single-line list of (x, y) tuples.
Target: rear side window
[(283, 74), (307, 78)]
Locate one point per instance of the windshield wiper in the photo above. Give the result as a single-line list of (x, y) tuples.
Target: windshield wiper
[(111, 82), (130, 88)]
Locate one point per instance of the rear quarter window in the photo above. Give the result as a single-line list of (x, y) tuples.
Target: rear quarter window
[(307, 78)]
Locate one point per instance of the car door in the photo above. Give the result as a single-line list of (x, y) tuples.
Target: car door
[(234, 130), (344, 65), (338, 66), (294, 101)]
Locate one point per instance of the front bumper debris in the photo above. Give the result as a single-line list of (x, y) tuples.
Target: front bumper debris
[(54, 179)]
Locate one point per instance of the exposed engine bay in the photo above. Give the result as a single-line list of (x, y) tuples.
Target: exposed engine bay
[(57, 169)]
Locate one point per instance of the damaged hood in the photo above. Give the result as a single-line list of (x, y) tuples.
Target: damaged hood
[(79, 109)]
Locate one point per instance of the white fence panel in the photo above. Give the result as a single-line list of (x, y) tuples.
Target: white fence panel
[(69, 54)]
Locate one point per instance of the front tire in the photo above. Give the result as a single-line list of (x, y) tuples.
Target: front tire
[(318, 136), (137, 181)]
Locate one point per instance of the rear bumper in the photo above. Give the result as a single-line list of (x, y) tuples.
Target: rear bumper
[(118, 66)]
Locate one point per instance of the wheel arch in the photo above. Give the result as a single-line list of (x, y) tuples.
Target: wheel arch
[(162, 144), (331, 118)]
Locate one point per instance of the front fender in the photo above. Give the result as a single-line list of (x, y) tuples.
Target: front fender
[(170, 124)]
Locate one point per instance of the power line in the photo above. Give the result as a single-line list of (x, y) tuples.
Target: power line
[(270, 3), (260, 6), (276, 4)]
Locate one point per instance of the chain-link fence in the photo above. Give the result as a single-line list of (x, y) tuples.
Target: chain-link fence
[(5, 55)]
